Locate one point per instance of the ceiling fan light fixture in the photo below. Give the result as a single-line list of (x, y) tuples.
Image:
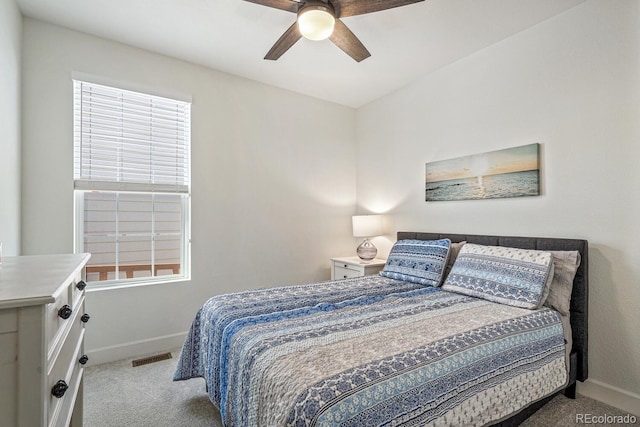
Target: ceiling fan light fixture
[(316, 22)]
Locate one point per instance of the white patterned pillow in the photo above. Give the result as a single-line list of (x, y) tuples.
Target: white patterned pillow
[(418, 261), (512, 276)]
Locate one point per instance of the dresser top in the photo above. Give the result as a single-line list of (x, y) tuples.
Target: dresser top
[(36, 279)]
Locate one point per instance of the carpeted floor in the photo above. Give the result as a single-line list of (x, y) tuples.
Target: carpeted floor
[(118, 395)]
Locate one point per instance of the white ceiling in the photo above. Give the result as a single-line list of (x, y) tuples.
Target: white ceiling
[(234, 35)]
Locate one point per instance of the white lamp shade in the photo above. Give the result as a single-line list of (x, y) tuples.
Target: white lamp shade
[(316, 24), (367, 225)]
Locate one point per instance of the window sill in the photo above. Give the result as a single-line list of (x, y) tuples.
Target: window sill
[(114, 285)]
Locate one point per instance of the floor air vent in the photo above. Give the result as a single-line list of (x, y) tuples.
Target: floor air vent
[(150, 359)]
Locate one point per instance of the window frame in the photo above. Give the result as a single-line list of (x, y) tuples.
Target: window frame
[(82, 186)]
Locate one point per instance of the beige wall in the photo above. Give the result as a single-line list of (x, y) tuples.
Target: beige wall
[(10, 54), (572, 84), (273, 187)]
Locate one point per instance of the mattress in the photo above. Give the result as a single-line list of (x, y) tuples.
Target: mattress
[(371, 351)]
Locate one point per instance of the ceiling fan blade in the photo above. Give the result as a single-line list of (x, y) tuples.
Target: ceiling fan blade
[(288, 39), (360, 7), (348, 42), (288, 5)]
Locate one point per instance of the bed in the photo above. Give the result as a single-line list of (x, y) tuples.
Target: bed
[(398, 349)]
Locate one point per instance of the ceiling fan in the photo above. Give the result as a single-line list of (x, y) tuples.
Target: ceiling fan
[(320, 19)]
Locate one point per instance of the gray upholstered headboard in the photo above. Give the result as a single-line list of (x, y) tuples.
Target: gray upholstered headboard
[(579, 295)]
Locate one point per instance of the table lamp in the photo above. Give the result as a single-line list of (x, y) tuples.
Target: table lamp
[(367, 226)]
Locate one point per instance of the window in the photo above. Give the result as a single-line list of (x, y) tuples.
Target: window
[(131, 184)]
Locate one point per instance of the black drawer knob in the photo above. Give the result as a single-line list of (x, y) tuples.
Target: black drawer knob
[(85, 318), (59, 389), (65, 311), (81, 285), (83, 360)]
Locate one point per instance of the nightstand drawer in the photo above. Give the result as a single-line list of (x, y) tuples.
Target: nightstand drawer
[(347, 267), (341, 272)]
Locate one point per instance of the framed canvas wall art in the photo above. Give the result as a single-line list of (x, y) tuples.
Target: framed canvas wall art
[(512, 172)]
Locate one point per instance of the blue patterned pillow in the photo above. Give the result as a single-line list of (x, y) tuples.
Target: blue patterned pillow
[(418, 261), (517, 277)]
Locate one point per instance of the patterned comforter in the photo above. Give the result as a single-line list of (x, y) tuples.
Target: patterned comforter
[(370, 351)]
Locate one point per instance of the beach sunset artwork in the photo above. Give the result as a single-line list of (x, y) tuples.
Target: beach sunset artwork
[(512, 172)]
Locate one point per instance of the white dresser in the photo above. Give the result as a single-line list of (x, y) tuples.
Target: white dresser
[(42, 323)]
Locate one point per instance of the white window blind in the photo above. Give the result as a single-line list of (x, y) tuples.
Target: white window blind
[(129, 141), (131, 179)]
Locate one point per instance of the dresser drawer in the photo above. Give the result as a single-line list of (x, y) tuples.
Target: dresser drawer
[(76, 290), (56, 325), (66, 367)]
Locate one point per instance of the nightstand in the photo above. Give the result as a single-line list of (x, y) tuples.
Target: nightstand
[(346, 267)]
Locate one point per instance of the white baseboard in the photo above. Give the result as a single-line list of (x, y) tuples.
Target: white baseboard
[(614, 396), (127, 350)]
